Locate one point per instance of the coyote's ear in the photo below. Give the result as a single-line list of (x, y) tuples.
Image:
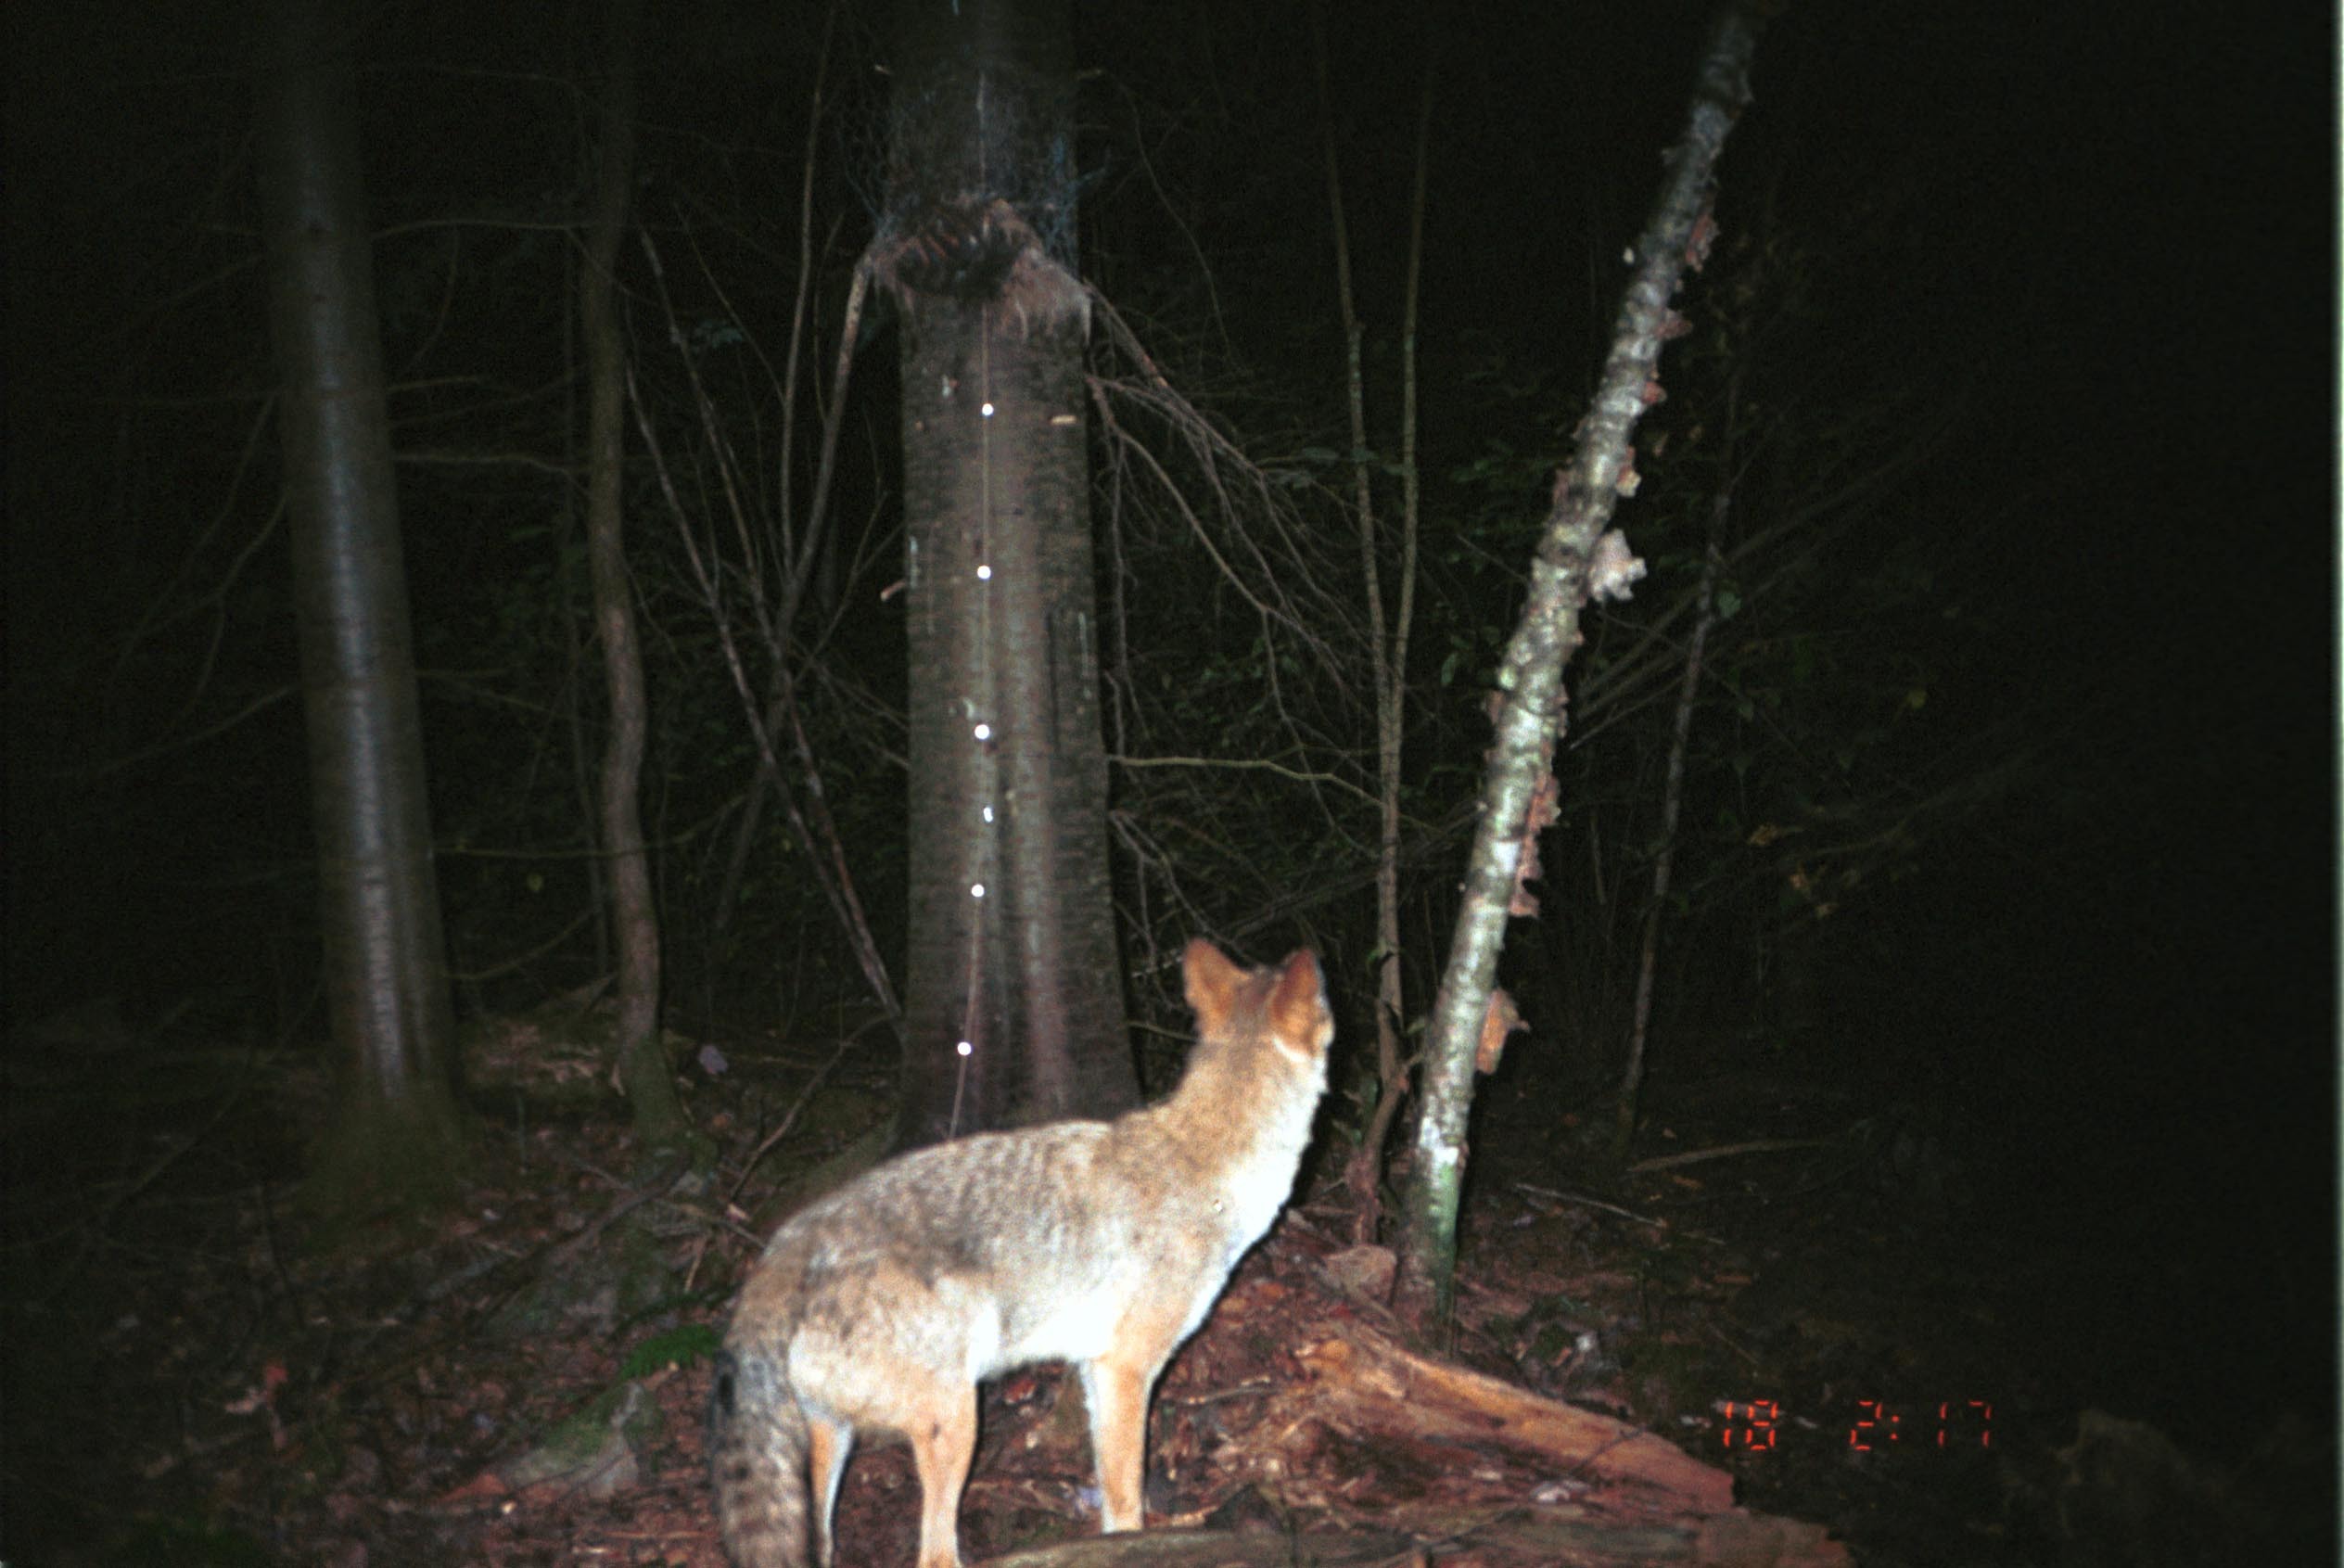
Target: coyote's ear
[(1298, 1014), (1212, 982)]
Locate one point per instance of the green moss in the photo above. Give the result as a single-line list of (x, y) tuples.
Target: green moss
[(681, 1347), (180, 1543), (643, 1277), (404, 1159)]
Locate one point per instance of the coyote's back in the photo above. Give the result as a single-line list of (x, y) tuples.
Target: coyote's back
[(1100, 1244)]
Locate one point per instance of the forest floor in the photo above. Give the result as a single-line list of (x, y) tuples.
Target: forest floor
[(1825, 1302)]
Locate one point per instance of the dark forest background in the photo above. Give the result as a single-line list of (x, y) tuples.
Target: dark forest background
[(2012, 780)]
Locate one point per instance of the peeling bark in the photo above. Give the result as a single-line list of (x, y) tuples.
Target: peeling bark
[(1575, 560)]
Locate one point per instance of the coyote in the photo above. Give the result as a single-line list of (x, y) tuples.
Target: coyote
[(1102, 1244)]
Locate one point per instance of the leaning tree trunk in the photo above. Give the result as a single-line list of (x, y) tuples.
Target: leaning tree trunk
[(386, 969), (1575, 560), (1013, 1009), (639, 1060)]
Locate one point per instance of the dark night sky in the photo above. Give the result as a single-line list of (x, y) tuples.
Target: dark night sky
[(2121, 225)]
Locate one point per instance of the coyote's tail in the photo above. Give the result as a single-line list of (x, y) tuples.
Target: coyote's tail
[(756, 1450)]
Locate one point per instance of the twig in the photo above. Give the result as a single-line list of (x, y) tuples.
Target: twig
[(508, 965), (1729, 1150), (1263, 763), (805, 1097), (1582, 1202)]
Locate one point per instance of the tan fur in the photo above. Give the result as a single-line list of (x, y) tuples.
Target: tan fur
[(1100, 1243)]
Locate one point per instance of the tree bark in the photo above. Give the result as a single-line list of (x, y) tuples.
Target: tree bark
[(385, 961), (1573, 559), (1013, 1007), (638, 1058)]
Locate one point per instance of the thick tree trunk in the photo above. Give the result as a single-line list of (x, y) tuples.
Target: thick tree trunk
[(1573, 561), (1013, 1009), (638, 1059), (385, 965)]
